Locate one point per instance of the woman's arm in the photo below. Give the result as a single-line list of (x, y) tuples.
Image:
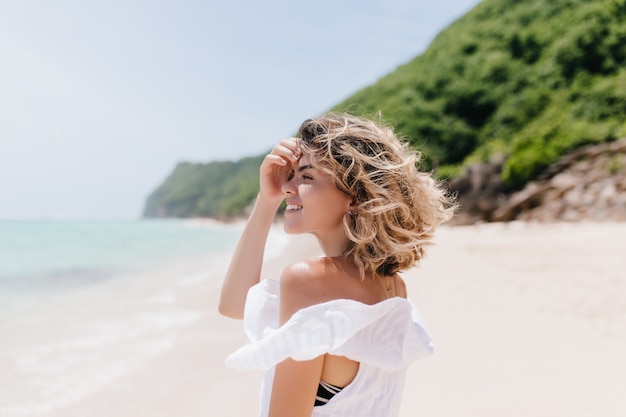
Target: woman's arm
[(245, 267), (295, 382), (295, 387)]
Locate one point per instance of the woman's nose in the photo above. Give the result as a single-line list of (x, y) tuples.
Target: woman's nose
[(289, 187)]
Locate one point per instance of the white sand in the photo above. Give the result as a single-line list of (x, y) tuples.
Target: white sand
[(528, 320)]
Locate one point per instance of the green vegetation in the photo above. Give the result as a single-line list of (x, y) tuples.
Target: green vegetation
[(531, 79), (216, 189)]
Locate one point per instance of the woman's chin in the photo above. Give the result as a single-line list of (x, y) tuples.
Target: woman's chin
[(289, 229)]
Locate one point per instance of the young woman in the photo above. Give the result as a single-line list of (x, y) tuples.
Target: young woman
[(337, 332)]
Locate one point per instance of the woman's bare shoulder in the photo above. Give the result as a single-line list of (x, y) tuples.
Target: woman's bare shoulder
[(305, 270), (303, 284)]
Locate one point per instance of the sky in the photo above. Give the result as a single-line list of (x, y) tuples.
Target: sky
[(99, 100)]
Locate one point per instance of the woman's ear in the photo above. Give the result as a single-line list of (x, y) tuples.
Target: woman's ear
[(351, 207)]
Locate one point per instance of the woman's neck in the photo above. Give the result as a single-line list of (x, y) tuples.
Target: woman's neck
[(333, 246)]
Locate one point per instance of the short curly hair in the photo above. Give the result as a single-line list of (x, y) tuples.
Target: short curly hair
[(396, 207)]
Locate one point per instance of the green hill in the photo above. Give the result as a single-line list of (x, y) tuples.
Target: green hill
[(216, 189), (530, 79)]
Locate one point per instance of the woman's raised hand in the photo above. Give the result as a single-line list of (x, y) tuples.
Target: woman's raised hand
[(245, 267), (276, 168)]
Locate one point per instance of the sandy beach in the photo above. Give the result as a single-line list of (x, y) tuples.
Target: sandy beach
[(528, 320)]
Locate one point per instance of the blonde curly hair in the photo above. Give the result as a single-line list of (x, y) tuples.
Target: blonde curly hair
[(396, 207)]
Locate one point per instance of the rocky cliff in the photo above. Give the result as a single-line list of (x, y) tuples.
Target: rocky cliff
[(587, 184)]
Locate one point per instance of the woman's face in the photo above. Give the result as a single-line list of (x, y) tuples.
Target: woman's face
[(314, 204)]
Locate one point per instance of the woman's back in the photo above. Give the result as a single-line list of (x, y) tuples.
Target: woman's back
[(384, 338), (325, 279)]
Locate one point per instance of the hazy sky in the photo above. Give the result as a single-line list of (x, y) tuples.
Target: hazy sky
[(100, 99)]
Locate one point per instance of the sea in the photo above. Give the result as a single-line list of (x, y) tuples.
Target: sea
[(48, 255), (39, 257), (83, 304)]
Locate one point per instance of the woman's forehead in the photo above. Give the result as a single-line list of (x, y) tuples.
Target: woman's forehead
[(308, 162), (304, 160)]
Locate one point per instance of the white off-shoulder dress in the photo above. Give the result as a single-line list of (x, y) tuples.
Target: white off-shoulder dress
[(384, 338)]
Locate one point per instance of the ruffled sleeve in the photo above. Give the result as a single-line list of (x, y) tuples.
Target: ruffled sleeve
[(389, 334)]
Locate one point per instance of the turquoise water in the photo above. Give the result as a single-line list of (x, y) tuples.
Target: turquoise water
[(49, 253), (83, 304)]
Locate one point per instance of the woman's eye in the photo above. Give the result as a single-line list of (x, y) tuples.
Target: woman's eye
[(307, 177), (290, 176)]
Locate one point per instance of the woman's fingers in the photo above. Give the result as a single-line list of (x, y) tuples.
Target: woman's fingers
[(277, 167), (275, 159), (283, 154), (288, 149)]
